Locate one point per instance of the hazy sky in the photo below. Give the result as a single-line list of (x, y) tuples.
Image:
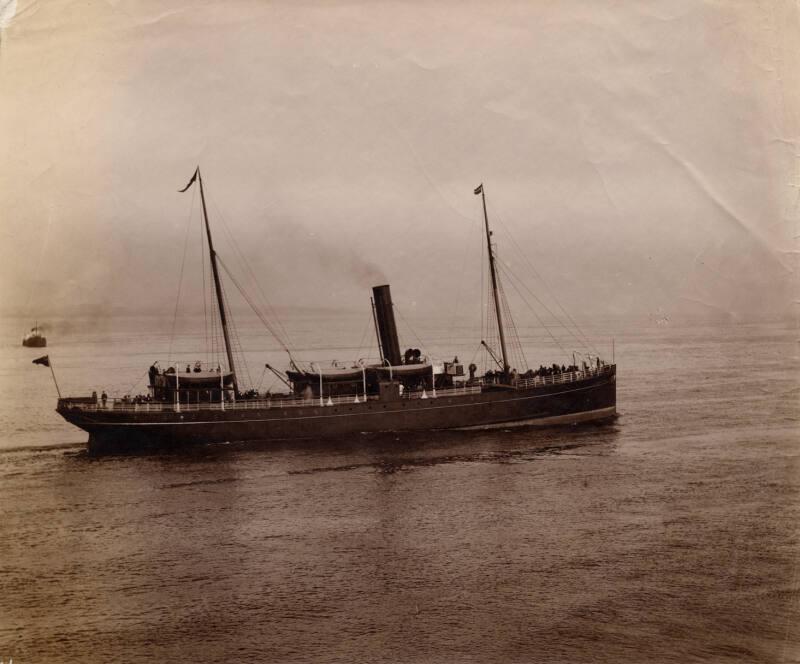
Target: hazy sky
[(643, 155)]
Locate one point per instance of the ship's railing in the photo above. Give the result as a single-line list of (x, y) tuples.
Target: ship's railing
[(133, 405), (563, 377), (193, 367), (136, 405)]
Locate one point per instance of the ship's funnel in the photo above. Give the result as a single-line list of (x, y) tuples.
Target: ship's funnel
[(387, 329)]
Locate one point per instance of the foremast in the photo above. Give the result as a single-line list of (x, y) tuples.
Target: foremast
[(217, 284), (495, 290)]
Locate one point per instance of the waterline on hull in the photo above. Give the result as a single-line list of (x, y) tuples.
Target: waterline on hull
[(572, 418)]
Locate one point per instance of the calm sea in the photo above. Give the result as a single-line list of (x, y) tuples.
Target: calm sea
[(668, 536)]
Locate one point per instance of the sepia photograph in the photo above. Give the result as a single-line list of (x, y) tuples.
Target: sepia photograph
[(409, 332)]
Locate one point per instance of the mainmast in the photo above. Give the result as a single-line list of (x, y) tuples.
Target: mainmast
[(217, 285), (493, 271)]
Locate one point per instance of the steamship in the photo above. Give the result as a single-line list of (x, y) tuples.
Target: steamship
[(399, 391), (35, 338)]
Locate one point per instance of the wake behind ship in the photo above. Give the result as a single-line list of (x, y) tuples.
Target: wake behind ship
[(395, 392)]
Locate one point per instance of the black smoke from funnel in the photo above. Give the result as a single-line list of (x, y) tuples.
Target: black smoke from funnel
[(348, 263), (333, 258)]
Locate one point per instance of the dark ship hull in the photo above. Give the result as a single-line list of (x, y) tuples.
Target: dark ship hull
[(155, 426)]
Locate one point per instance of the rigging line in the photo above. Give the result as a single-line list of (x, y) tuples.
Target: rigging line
[(534, 296), (516, 346), (255, 309), (553, 338), (138, 380), (212, 329), (215, 327), (523, 255), (511, 281), (236, 342), (475, 353), (261, 380), (235, 252), (180, 279), (205, 308), (248, 270), (268, 391), (484, 302), (580, 337), (490, 333), (364, 336), (216, 338), (244, 265), (406, 323), (533, 269), (512, 337)]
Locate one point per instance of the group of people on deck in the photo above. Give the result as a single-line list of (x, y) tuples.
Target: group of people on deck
[(138, 399), (552, 370), (126, 399), (543, 371), (198, 367)]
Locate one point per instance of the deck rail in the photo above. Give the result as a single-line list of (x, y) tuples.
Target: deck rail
[(564, 377), (143, 406), (136, 405)]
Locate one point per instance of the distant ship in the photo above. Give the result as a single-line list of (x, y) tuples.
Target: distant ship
[(35, 338), (398, 392)]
